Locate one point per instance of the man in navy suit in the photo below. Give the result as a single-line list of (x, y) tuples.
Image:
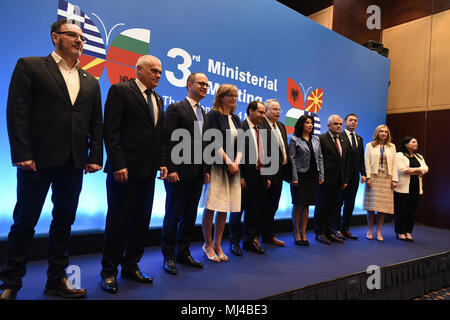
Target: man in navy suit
[(185, 175), (276, 133), (335, 152), (357, 168), (133, 132), (54, 118)]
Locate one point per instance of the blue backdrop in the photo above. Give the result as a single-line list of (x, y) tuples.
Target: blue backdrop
[(256, 45)]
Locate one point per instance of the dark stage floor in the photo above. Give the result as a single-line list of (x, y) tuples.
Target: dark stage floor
[(252, 276)]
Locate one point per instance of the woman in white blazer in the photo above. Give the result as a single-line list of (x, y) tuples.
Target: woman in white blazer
[(381, 179), (411, 167)]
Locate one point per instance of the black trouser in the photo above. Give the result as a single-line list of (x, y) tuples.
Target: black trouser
[(32, 189), (251, 204), (405, 207), (271, 200), (347, 199), (127, 222), (182, 199), (326, 204)]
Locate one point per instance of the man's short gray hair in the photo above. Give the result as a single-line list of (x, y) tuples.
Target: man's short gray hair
[(330, 118), (268, 102)]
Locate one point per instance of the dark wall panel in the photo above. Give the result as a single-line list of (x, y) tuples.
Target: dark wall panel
[(432, 131)]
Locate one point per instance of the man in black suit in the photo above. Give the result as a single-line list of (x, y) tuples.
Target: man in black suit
[(357, 167), (133, 131), (253, 184), (276, 133), (54, 118), (185, 173), (335, 152)]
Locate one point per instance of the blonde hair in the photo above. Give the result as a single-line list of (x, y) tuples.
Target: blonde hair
[(223, 90), (377, 133)]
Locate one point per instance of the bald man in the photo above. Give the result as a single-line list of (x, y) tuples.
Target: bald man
[(132, 131)]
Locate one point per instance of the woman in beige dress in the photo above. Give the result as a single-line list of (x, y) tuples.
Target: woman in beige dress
[(382, 177), (223, 193)]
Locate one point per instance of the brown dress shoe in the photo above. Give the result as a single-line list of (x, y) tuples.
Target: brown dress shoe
[(61, 288), (274, 241), (8, 294)]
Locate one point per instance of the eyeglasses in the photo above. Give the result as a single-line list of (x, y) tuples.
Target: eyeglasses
[(202, 84), (73, 35)]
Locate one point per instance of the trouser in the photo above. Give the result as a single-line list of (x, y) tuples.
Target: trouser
[(347, 199), (182, 199), (127, 222), (405, 208), (32, 189)]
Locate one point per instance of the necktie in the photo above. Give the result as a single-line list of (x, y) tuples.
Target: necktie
[(259, 164), (280, 143), (149, 93), (354, 146), (337, 146), (198, 113)]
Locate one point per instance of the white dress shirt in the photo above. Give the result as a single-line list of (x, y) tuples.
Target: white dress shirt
[(279, 136), (142, 87), (71, 76)]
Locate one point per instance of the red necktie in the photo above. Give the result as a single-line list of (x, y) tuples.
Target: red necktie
[(337, 146), (259, 164)]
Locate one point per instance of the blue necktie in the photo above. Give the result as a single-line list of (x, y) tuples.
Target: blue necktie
[(354, 146), (149, 93), (198, 113)]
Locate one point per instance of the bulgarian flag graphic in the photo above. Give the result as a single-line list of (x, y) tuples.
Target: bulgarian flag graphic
[(123, 53), (292, 116)]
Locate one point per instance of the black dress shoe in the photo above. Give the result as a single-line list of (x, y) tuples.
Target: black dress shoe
[(136, 276), (348, 235), (169, 266), (334, 238), (253, 246), (109, 284), (8, 294), (61, 288), (339, 235), (323, 239), (189, 261), (235, 248)]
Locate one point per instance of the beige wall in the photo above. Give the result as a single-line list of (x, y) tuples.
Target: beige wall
[(420, 64), (324, 17)]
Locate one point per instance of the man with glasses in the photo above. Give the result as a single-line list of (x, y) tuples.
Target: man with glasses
[(54, 119), (335, 152), (185, 180)]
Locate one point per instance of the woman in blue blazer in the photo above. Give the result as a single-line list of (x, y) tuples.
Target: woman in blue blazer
[(307, 174)]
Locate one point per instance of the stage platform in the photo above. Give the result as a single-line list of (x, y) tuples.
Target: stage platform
[(336, 271)]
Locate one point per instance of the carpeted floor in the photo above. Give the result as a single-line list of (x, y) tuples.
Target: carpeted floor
[(252, 276)]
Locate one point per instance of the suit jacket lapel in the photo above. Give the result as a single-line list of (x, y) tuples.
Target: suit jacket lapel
[(83, 81), (144, 105), (54, 70)]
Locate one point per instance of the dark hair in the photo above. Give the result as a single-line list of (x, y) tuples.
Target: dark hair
[(350, 114), (299, 125), (58, 24), (191, 77), (253, 106), (404, 149)]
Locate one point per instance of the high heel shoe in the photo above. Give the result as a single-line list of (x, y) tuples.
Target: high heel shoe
[(380, 237), (369, 235), (297, 242), (409, 237), (399, 237), (222, 256), (212, 256)]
